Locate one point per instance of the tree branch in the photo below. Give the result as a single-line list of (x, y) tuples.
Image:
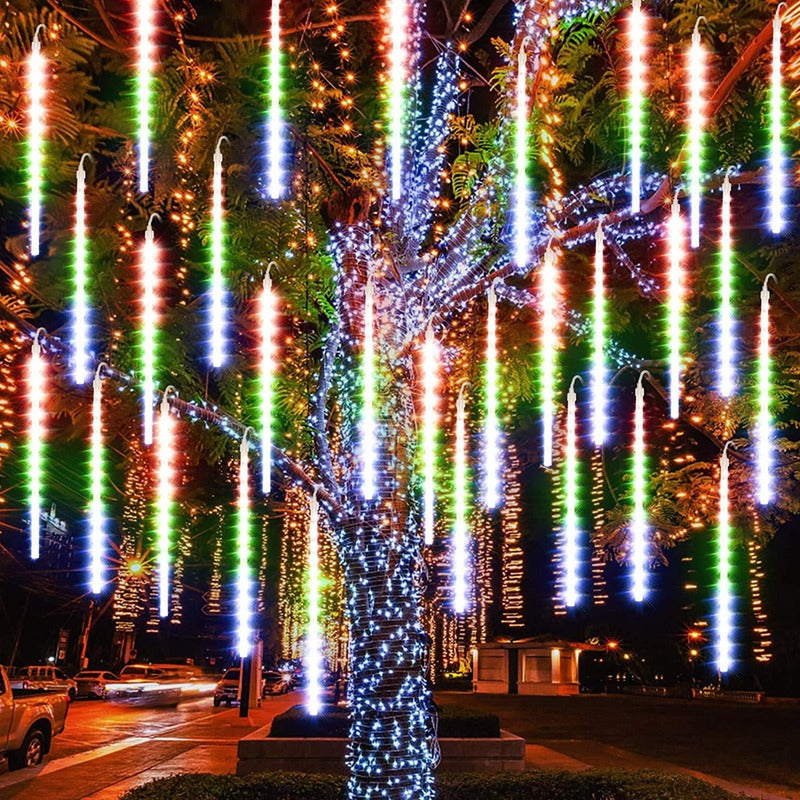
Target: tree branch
[(81, 27), (489, 16)]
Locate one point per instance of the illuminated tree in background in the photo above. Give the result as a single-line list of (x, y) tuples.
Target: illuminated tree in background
[(431, 255)]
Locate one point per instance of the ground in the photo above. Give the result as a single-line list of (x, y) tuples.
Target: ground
[(108, 749)]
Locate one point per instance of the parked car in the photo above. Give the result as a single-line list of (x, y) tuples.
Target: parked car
[(92, 683), (45, 678), (275, 683), (227, 689), (29, 719)]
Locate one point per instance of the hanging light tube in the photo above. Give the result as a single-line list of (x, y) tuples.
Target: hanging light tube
[(267, 325), (37, 65), (492, 424), (368, 400), (37, 392), (398, 31), (150, 269), (460, 538), (764, 432), (145, 13), (276, 144), (724, 597), (96, 512), (675, 306), (725, 351), (697, 67), (165, 499), (777, 176), (80, 320), (571, 523), (429, 421), (599, 389), (217, 262), (549, 343), (314, 654), (243, 600), (639, 521), (521, 196), (637, 27)]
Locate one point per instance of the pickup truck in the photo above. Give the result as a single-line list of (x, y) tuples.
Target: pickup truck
[(29, 719)]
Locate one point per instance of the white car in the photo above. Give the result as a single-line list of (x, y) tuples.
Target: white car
[(92, 683)]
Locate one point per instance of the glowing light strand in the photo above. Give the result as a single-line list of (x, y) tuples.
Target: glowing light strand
[(724, 596), (243, 587), (275, 132), (368, 400), (696, 124), (777, 177), (549, 343), (96, 510), (313, 655), (571, 522), (637, 27), (267, 325), (429, 422), (164, 500), (675, 306), (639, 521), (217, 262), (492, 427), (145, 12), (149, 268), (599, 389), (37, 390), (80, 313), (460, 540), (725, 352), (764, 427), (36, 130), (398, 27), (521, 198)]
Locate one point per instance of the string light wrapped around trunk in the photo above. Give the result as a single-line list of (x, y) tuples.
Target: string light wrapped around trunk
[(368, 400)]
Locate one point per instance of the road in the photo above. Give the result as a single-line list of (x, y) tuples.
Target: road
[(108, 749)]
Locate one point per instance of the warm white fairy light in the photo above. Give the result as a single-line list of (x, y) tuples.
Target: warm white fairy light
[(637, 27), (275, 132), (267, 325), (549, 288), (145, 11), (599, 389), (491, 424), (313, 643), (521, 197), (697, 67), (149, 269), (764, 432), (164, 500), (429, 421), (571, 531), (36, 396), (368, 400), (639, 521), (725, 352), (724, 596), (36, 129), (777, 177), (398, 32), (675, 305), (80, 320), (217, 263), (460, 540), (97, 535), (243, 588)]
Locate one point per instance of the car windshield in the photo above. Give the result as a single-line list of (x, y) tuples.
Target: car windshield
[(88, 675), (272, 677), (231, 675)]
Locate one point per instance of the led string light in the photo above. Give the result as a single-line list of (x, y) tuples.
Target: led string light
[(777, 177), (37, 392), (267, 326), (96, 512), (145, 12), (639, 521), (724, 594), (368, 400), (243, 581), (217, 261), (599, 389), (314, 645), (675, 306), (37, 65), (491, 423), (398, 27), (165, 499), (697, 68), (764, 432), (150, 280), (725, 351), (549, 342), (460, 540), (80, 312), (275, 132), (571, 524), (429, 422), (637, 29), (521, 198)]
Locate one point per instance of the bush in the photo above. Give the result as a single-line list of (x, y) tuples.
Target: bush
[(334, 721), (590, 785)]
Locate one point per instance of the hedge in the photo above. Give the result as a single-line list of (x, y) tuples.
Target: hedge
[(333, 721), (589, 785)]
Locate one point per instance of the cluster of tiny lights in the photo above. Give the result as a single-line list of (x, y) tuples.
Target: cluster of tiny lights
[(149, 269), (599, 391), (275, 132), (726, 321), (80, 320), (764, 432), (491, 434), (368, 402), (217, 263), (675, 305), (243, 612), (314, 646), (697, 68), (639, 522), (145, 11), (429, 421), (36, 395), (571, 501), (521, 198), (548, 344), (777, 178), (724, 624), (267, 326), (36, 129), (637, 27), (460, 543), (165, 498), (398, 27), (96, 515)]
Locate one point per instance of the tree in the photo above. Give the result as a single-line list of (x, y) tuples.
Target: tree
[(430, 257)]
